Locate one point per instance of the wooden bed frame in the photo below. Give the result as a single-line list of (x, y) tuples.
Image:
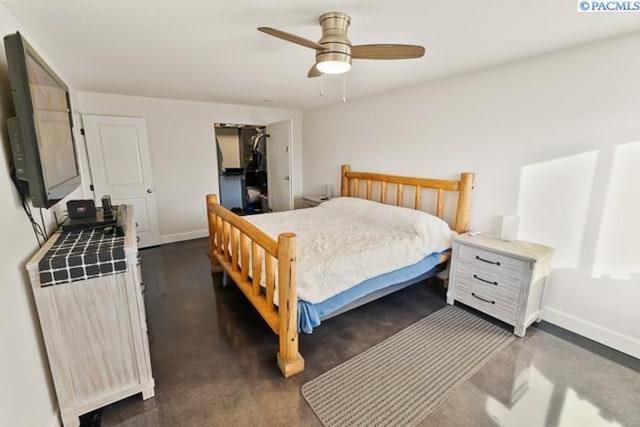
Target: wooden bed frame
[(234, 242)]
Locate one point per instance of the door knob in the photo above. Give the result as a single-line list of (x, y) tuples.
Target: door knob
[(286, 178), (149, 190)]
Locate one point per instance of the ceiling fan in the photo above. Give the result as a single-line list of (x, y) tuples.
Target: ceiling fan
[(334, 50)]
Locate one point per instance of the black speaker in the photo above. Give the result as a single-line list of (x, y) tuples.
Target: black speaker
[(107, 209), (81, 208)]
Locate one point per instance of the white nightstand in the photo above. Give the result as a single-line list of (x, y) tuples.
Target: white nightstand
[(503, 279), (313, 201)]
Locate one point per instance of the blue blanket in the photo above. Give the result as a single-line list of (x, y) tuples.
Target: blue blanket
[(309, 315)]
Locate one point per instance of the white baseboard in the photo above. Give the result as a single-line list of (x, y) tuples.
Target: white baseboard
[(608, 337), (188, 235), (55, 422)]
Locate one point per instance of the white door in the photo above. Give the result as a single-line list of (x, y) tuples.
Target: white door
[(279, 178), (118, 150)]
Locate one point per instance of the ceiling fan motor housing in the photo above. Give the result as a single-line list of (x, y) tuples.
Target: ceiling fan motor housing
[(334, 38)]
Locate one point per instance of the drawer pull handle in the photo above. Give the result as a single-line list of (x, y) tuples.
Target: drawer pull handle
[(475, 276), (483, 299), (487, 261)]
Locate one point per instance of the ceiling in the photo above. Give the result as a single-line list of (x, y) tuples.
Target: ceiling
[(210, 50)]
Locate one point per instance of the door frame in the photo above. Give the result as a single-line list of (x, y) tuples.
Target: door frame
[(291, 153)]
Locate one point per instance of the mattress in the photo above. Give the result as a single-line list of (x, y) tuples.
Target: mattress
[(347, 241)]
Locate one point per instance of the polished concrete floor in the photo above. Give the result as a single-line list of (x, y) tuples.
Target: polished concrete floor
[(214, 364)]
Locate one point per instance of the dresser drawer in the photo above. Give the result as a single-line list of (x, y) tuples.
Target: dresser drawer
[(490, 263)]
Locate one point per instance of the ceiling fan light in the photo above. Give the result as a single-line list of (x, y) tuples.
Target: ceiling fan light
[(333, 67)]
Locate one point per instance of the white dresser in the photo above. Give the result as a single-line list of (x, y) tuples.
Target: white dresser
[(503, 279), (95, 333)]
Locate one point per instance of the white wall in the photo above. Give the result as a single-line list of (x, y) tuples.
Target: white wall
[(27, 397), (526, 129), (183, 154)]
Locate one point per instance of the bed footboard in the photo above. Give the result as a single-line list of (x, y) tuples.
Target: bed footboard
[(247, 254)]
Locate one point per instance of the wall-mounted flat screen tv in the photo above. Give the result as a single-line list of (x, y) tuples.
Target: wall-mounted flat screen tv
[(41, 133)]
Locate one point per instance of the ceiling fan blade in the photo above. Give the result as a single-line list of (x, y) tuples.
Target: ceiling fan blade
[(291, 38), (387, 51), (314, 72)]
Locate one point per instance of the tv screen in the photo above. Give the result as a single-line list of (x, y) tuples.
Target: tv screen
[(44, 153)]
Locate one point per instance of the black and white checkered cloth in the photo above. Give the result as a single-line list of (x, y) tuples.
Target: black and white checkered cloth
[(80, 255)]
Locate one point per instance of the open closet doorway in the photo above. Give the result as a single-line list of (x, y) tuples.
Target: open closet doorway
[(254, 165)]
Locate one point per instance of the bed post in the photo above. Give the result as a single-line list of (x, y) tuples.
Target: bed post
[(463, 212), (212, 199), (344, 182), (289, 359)]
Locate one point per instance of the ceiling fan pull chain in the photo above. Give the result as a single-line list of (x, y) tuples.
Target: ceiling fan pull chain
[(344, 89), (321, 85)]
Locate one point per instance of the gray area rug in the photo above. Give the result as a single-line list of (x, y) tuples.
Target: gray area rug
[(404, 378)]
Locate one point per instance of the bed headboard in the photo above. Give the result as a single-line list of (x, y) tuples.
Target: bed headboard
[(351, 186)]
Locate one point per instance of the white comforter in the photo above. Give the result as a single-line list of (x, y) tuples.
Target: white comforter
[(347, 240)]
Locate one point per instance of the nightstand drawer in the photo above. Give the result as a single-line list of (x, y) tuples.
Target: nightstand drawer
[(498, 305), (491, 263), (490, 284)]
